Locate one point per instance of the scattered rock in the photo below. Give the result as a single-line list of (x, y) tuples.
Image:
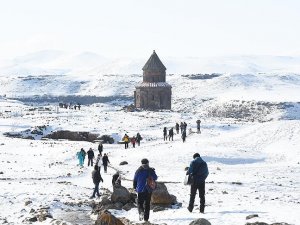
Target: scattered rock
[(1, 172), (120, 194), (128, 206), (200, 221), (33, 219), (224, 192), (251, 216), (123, 163), (106, 218), (28, 202), (218, 168), (161, 195)]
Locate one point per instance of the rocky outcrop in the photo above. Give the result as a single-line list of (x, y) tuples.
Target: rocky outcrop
[(200, 221), (106, 218), (161, 195), (120, 194)]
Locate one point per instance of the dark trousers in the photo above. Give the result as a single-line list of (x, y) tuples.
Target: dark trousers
[(201, 188), (105, 168), (170, 137), (90, 161), (139, 142), (165, 137), (144, 199), (126, 145), (133, 145), (96, 190)]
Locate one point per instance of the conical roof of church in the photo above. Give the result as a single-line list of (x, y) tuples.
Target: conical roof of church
[(154, 63)]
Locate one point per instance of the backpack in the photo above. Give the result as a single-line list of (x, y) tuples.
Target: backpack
[(150, 183)]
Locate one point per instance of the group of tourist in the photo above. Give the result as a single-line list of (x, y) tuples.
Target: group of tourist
[(144, 181), (182, 127), (133, 140)]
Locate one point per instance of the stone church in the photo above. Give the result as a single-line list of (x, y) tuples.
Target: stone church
[(153, 93)]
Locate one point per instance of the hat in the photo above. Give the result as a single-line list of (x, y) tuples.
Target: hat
[(196, 155), (144, 161)]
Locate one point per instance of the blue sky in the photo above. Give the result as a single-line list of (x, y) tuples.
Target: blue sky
[(118, 28)]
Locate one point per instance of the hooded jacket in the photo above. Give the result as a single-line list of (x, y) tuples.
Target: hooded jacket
[(198, 168), (140, 177)]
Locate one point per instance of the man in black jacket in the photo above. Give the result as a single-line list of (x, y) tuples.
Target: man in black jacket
[(90, 154), (198, 169), (105, 161), (96, 180)]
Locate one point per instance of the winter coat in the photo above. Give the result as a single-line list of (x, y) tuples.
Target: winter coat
[(96, 177), (177, 126), (132, 140), (126, 138), (99, 161), (100, 147), (140, 177), (90, 154), (165, 131), (198, 168), (116, 179), (105, 160), (138, 137), (171, 133), (80, 155)]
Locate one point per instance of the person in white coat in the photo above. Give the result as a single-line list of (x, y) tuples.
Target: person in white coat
[(99, 161)]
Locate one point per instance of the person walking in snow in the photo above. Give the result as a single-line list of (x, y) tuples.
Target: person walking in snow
[(183, 136), (91, 156), (198, 169), (100, 148), (140, 185), (105, 161), (96, 180), (83, 154), (198, 126), (126, 140), (138, 138), (184, 126), (99, 162), (177, 128), (80, 157), (165, 134), (133, 140), (181, 127), (171, 134)]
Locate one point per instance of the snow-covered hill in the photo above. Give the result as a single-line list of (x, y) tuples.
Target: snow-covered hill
[(57, 62), (250, 140)]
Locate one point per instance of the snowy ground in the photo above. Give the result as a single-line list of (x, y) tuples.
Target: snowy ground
[(254, 166)]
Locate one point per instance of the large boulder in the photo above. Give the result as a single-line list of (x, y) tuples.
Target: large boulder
[(106, 218), (200, 221), (161, 195), (120, 194)]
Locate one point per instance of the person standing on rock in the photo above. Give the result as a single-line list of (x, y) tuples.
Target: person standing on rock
[(143, 173), (105, 161), (96, 180), (198, 169), (91, 156)]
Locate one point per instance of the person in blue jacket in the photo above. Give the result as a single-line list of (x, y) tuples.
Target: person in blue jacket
[(198, 169), (143, 191)]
